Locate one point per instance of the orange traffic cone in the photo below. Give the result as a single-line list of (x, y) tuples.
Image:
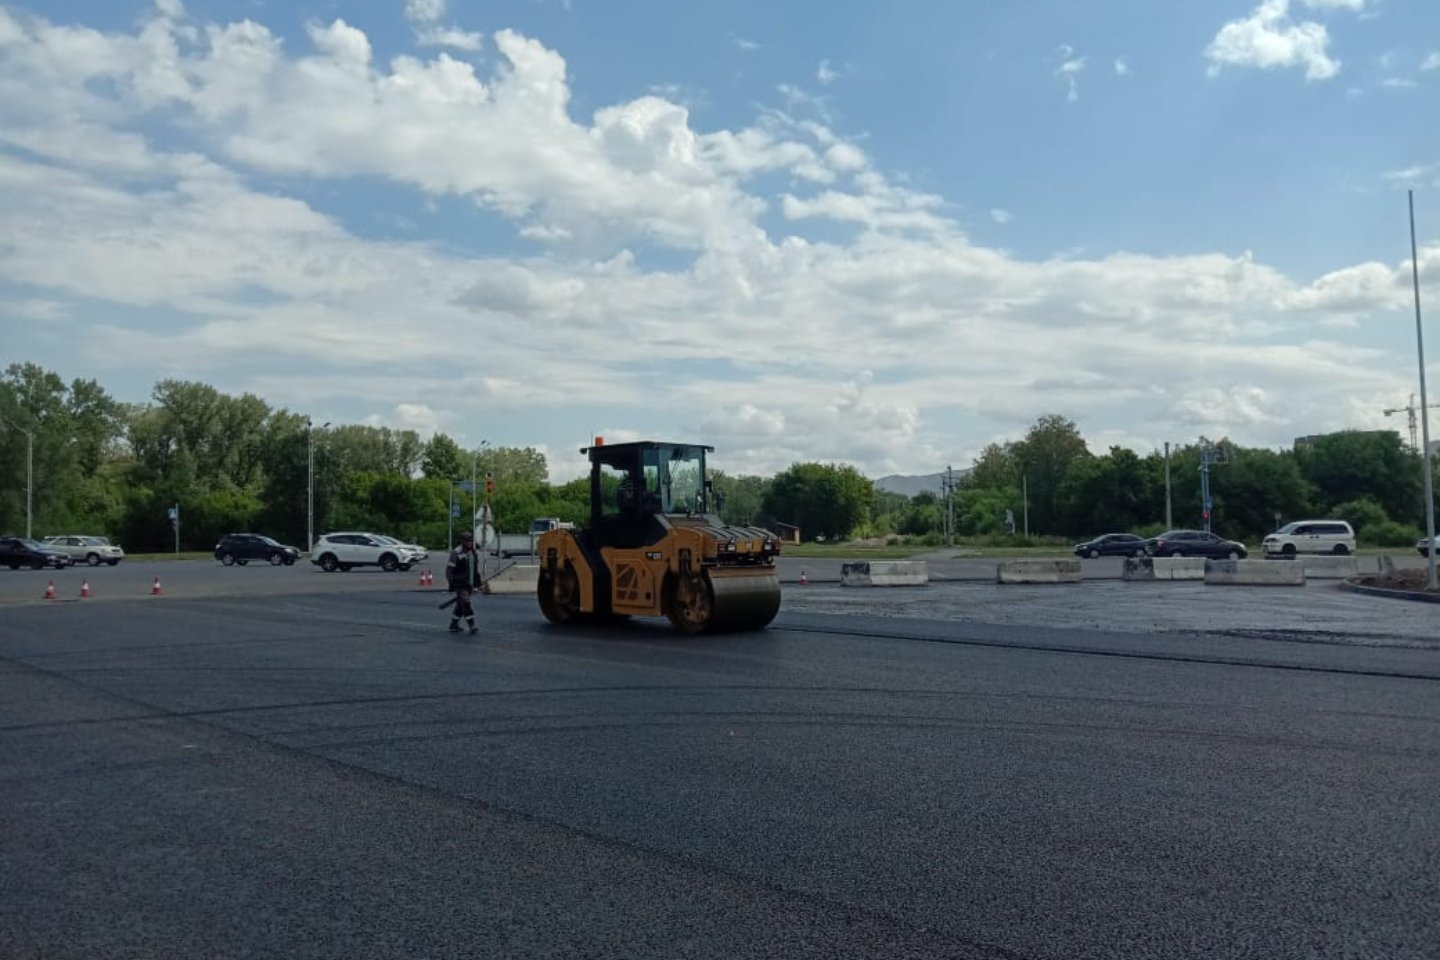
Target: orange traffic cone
[(804, 580), (84, 589), (50, 590), (422, 578), (155, 590), (429, 578)]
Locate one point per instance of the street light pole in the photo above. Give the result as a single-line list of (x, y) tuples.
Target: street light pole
[(310, 486), (310, 483), (1424, 404)]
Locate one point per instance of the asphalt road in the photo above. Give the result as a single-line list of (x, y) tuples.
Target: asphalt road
[(332, 775)]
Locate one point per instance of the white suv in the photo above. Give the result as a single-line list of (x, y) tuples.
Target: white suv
[(341, 551), (1311, 536)]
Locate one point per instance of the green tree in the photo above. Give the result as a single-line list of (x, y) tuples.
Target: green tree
[(1105, 494), (923, 514), (512, 466), (822, 499), (742, 498), (443, 459), (995, 468), (1355, 464), (1045, 457)]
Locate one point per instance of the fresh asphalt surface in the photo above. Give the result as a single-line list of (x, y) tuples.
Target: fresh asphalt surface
[(309, 766)]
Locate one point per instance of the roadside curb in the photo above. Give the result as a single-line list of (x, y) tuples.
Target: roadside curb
[(1389, 593)]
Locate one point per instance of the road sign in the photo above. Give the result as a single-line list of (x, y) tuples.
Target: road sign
[(172, 513), (455, 510)]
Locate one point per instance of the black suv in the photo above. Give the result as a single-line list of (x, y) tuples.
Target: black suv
[(17, 552), (241, 548)]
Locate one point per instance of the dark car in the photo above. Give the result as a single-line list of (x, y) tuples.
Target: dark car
[(241, 548), (17, 552), (1195, 543), (1112, 545)]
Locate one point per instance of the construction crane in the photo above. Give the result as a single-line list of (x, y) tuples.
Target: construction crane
[(1412, 409)]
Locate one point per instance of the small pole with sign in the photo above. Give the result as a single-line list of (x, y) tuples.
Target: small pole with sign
[(175, 522)]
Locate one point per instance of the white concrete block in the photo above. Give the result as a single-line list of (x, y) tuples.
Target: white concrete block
[(1257, 573), (1038, 571), (1164, 568), (1329, 568), (885, 573), (518, 578)]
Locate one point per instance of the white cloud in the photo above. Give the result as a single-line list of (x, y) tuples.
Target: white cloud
[(1122, 68), (468, 41), (1431, 62), (1070, 69), (424, 11), (1001, 216), (1420, 175), (1355, 6), (746, 45), (1399, 83), (156, 260), (1268, 39), (409, 416), (825, 73)]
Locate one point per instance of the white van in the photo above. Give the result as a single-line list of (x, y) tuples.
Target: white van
[(1311, 536)]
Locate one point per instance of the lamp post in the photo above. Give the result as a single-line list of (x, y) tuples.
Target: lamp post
[(310, 484), (29, 476), (1425, 460)]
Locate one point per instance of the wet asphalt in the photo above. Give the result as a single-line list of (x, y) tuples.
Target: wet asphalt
[(330, 774)]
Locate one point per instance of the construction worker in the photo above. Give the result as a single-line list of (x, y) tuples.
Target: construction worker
[(462, 576)]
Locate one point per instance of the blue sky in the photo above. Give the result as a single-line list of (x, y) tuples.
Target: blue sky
[(884, 236)]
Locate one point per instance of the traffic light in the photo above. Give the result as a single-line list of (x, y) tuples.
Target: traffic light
[(489, 482)]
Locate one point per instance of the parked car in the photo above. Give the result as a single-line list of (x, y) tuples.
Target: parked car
[(1311, 536), (17, 552), (1195, 543), (343, 551), (241, 548), (92, 550), (1424, 546), (1112, 545), (417, 552)]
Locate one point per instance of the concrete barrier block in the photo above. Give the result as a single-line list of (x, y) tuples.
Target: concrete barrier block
[(885, 573), (1256, 573), (518, 578), (1329, 568), (1038, 571), (1164, 568)]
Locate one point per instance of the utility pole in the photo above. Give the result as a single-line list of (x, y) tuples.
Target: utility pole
[(947, 485), (1025, 498), (1424, 404), (310, 484), (1169, 518)]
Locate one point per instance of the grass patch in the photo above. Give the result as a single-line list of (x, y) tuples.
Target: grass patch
[(847, 551), (182, 555)]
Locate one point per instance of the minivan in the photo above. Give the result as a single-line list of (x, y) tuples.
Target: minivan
[(1311, 536)]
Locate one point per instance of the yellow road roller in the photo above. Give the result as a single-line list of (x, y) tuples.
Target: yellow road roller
[(655, 546)]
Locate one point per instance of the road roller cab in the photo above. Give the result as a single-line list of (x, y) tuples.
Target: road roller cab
[(655, 546)]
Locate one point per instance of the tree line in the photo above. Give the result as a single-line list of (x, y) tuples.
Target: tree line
[(235, 463)]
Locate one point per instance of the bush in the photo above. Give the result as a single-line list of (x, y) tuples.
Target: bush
[(1391, 534), (1366, 516)]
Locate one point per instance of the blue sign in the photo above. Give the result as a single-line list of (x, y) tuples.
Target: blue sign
[(455, 510), (173, 513)]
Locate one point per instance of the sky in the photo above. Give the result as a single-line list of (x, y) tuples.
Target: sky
[(882, 235)]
